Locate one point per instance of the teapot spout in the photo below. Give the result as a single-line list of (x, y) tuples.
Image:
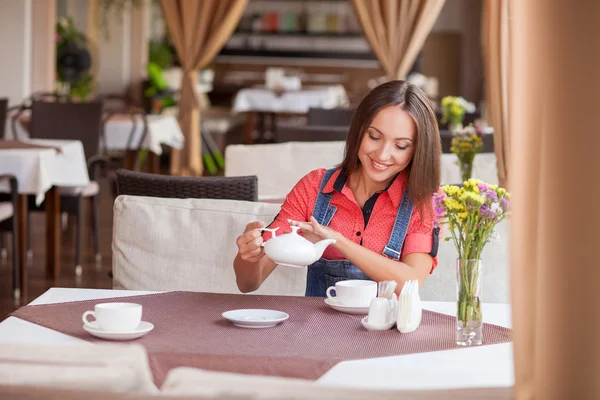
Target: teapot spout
[(321, 246)]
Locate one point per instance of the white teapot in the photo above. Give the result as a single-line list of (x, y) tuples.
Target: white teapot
[(293, 250)]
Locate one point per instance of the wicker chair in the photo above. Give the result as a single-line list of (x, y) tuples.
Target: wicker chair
[(152, 185), (73, 121), (330, 116), (310, 133)]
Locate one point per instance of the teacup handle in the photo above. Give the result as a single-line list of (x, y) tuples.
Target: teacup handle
[(89, 323), (328, 292)]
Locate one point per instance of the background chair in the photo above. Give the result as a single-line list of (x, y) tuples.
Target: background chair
[(310, 133), (279, 166), (3, 112), (153, 185), (8, 223), (73, 121), (330, 116)]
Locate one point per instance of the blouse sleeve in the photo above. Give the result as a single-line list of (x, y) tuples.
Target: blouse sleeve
[(299, 202), (421, 236)]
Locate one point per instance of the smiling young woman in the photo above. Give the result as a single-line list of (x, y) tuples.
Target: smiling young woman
[(377, 204)]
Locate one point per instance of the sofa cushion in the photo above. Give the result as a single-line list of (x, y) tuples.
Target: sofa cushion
[(223, 385), (188, 244)]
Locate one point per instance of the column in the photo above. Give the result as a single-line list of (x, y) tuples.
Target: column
[(15, 52)]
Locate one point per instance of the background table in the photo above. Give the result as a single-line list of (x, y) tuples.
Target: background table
[(485, 366), (39, 172), (261, 102), (162, 129)]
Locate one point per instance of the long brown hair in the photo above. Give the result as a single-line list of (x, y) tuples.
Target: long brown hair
[(424, 168)]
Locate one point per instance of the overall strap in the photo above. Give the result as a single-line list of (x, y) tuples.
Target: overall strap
[(394, 246), (323, 212)]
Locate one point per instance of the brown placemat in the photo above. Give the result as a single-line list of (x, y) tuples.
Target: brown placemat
[(190, 331), (16, 144)]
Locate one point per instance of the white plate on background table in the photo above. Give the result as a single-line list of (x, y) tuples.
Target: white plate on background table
[(141, 330), (255, 318), (335, 304)]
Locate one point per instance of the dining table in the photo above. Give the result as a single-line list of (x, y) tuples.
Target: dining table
[(263, 106), (42, 167), (360, 357), (123, 133)]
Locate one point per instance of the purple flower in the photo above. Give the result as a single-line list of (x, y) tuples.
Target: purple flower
[(482, 187), (470, 207), (504, 203), (491, 194)]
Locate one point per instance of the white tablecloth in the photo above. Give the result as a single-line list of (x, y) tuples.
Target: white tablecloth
[(37, 170), (162, 129), (255, 99), (483, 366)]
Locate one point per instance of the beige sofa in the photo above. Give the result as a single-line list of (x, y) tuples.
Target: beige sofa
[(190, 245)]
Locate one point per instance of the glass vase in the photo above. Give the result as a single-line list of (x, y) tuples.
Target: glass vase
[(469, 321), (466, 170)]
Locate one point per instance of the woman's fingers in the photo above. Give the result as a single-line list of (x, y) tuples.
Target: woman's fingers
[(253, 255)]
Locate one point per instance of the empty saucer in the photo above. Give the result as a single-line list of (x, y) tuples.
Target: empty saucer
[(372, 327), (141, 330), (346, 309), (255, 318)]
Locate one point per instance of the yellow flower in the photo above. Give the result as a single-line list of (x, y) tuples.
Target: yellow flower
[(451, 204), (463, 215), (451, 190), (472, 196)]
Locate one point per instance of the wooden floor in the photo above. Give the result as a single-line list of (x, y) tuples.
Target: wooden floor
[(94, 275)]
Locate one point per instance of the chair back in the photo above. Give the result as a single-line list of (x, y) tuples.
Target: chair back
[(330, 116), (3, 112), (441, 284), (68, 121), (152, 185), (446, 137), (484, 168), (310, 133), (189, 244), (279, 166)]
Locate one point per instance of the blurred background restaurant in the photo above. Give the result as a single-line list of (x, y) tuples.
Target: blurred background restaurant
[(202, 88)]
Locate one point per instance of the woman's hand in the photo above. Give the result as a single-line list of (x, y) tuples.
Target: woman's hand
[(250, 242), (314, 231)]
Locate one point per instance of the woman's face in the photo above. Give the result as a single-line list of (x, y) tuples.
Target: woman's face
[(388, 145)]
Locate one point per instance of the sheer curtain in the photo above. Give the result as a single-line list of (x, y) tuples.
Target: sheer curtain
[(496, 60), (396, 30), (198, 30), (554, 89)]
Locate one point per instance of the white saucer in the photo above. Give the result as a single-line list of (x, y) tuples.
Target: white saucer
[(141, 330), (371, 327), (255, 318), (346, 309)]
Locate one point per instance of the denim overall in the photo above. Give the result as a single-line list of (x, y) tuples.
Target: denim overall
[(324, 273)]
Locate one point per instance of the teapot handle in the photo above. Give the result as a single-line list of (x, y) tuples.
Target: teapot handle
[(268, 230)]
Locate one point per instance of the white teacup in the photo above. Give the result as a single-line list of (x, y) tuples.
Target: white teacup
[(353, 293), (114, 317)]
